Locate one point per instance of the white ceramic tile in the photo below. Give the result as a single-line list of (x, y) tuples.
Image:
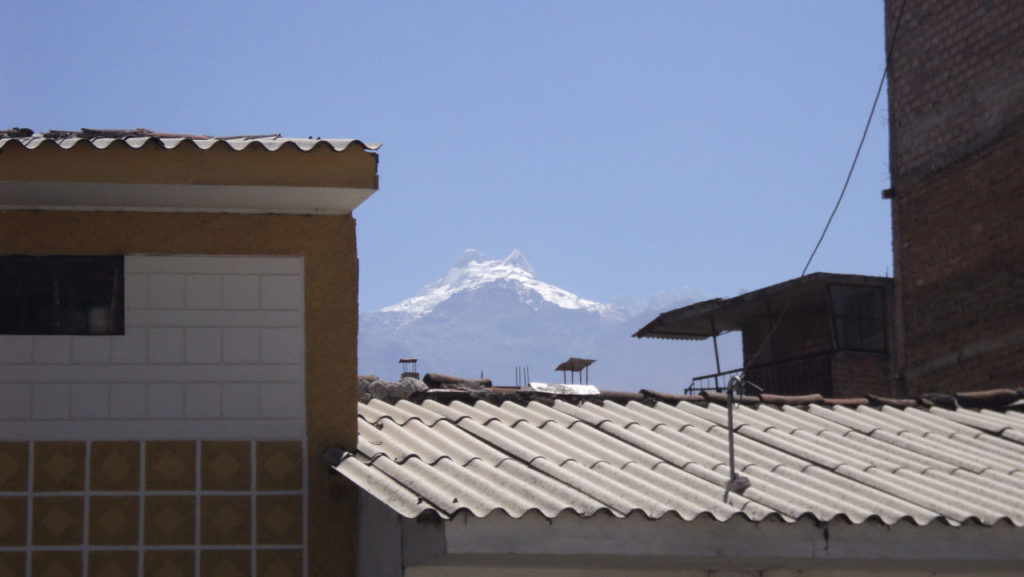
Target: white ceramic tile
[(279, 292), (15, 401), (51, 401), (241, 345), (166, 345), (282, 400), (90, 401), (128, 401), (136, 290), (202, 346), (202, 401), (214, 264), (133, 318), (129, 348), (239, 318), (52, 349), (242, 292), (166, 291), (15, 349), (240, 400), (176, 373), (165, 401), (90, 350), (281, 345), (204, 291), (169, 429)]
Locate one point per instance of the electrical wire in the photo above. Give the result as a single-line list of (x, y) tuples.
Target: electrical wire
[(842, 193)]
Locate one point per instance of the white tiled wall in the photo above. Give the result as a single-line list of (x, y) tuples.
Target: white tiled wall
[(213, 348)]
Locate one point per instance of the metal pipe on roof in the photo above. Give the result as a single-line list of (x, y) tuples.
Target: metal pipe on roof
[(714, 340)]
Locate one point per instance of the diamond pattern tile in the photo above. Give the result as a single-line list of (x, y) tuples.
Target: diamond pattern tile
[(168, 564), (169, 520), (114, 466), (279, 519), (12, 563), (279, 465), (170, 465), (13, 512), (229, 563), (114, 520), (279, 563), (49, 498), (13, 466), (226, 520), (59, 466), (57, 520), (56, 564), (225, 466), (113, 563)]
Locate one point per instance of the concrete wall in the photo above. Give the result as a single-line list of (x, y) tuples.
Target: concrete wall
[(956, 116), (603, 545)]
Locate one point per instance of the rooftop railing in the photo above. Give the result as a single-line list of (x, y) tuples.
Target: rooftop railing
[(795, 376)]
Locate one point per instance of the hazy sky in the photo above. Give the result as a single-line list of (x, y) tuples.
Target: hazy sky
[(625, 148)]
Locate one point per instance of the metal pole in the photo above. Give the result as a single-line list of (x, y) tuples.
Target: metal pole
[(732, 450), (736, 483), (718, 364)]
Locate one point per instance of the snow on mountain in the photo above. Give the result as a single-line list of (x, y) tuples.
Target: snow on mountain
[(487, 317), (473, 271)]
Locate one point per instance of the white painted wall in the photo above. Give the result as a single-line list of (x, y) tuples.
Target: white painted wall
[(214, 347), (570, 546)]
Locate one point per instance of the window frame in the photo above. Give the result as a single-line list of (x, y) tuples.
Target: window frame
[(843, 320), (61, 294)]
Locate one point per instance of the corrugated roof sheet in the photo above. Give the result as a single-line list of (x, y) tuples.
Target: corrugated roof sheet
[(138, 138), (857, 459)]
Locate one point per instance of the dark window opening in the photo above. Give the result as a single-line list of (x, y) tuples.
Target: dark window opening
[(61, 295), (858, 316)]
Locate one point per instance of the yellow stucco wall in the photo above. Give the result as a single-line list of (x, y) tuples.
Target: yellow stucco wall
[(328, 245), (187, 164)]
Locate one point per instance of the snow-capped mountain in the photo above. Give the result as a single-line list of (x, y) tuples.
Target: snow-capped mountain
[(487, 317), (473, 271)]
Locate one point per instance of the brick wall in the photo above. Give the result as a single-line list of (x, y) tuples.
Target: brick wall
[(804, 330), (857, 374), (956, 101)]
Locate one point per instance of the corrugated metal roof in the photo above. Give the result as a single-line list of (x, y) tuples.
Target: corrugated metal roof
[(138, 138), (857, 459)]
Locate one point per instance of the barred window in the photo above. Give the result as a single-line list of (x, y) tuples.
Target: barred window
[(859, 318), (61, 295)]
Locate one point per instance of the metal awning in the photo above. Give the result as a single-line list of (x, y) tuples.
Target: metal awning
[(575, 364), (713, 317)]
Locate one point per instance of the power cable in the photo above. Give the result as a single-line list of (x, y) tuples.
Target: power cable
[(842, 193), (738, 483)]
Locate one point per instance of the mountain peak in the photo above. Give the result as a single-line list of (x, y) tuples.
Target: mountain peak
[(517, 260), (472, 271), (470, 256)]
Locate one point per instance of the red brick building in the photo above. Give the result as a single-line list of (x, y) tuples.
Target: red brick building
[(956, 118), (823, 333)]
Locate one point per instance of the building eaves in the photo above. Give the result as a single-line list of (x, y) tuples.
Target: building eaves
[(138, 138), (715, 316), (861, 460)]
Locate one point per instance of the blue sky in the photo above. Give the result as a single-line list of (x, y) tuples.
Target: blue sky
[(625, 148)]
